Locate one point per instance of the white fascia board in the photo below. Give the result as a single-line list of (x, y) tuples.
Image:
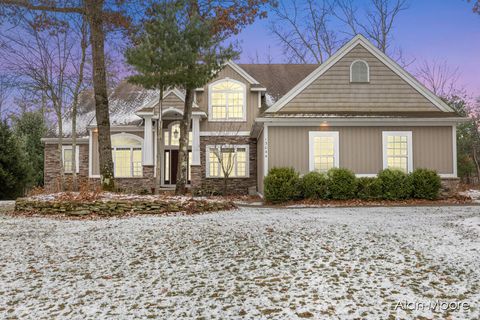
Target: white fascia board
[(64, 140), (359, 39), (362, 121), (242, 72), (258, 89)]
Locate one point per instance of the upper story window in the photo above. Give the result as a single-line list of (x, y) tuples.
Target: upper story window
[(359, 71), (127, 155), (227, 101)]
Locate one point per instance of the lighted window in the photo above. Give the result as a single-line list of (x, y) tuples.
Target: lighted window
[(323, 148), (359, 71), (227, 101), (67, 157), (172, 137), (232, 160), (127, 155), (397, 150)]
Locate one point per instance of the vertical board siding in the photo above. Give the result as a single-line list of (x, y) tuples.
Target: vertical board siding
[(361, 148), (333, 92), (260, 162)]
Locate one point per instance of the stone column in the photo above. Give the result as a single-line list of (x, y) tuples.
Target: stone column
[(148, 142), (196, 140)]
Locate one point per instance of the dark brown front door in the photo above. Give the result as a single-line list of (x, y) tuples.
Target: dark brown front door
[(173, 166)]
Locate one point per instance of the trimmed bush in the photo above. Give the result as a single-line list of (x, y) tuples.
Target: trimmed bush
[(281, 185), (314, 186), (342, 184), (369, 188), (396, 184), (426, 184)]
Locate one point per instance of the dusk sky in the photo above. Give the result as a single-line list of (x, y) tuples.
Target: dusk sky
[(442, 30)]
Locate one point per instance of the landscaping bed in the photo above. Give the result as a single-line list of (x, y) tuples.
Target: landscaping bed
[(77, 204)]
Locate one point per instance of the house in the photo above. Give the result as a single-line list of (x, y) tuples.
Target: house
[(358, 110)]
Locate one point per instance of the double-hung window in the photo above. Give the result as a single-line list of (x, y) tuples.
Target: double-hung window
[(323, 150), (231, 160), (127, 155), (397, 150), (227, 101), (67, 158)]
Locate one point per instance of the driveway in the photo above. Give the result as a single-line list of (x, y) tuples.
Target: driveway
[(251, 263)]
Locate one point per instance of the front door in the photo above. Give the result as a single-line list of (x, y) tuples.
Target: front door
[(171, 166)]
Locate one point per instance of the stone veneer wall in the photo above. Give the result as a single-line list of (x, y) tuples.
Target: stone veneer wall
[(235, 185), (52, 167), (143, 184)]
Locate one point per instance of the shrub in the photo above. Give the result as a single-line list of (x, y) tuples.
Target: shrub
[(314, 185), (282, 184), (369, 188), (426, 184), (396, 184), (342, 183)]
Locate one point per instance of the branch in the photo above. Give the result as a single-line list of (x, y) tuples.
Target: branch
[(28, 5)]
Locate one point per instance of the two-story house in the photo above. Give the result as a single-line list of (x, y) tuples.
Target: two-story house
[(359, 110)]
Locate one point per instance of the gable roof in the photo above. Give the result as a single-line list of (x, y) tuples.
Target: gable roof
[(359, 40), (278, 79)]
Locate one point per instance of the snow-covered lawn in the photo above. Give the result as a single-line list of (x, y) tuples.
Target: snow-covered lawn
[(252, 263)]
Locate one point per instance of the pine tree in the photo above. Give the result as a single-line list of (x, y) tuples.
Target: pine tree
[(29, 128), (176, 47), (13, 173)]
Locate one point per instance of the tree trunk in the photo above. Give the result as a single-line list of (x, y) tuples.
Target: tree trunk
[(60, 151), (94, 10), (158, 180), (76, 93), (180, 187)]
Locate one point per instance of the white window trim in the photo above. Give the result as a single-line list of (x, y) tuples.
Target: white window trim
[(235, 146), (314, 134), (244, 108), (135, 137), (77, 158), (408, 134), (368, 71)]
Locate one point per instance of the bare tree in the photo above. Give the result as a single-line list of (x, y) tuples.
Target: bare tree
[(225, 154), (439, 77), (5, 91), (266, 58), (378, 23), (308, 30), (45, 65), (75, 94), (303, 29)]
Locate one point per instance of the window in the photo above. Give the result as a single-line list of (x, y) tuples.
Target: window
[(359, 71), (68, 159), (227, 101), (323, 148), (172, 136), (127, 155), (228, 158), (397, 150)]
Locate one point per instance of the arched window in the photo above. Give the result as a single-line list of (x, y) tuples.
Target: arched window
[(227, 101), (127, 155), (359, 71)]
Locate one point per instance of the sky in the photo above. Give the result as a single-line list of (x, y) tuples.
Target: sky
[(441, 30)]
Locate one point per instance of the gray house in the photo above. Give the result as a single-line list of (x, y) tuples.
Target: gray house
[(358, 110)]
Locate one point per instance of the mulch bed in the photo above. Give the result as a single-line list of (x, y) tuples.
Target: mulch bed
[(456, 200)]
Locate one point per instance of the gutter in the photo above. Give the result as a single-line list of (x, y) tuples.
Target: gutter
[(361, 121)]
